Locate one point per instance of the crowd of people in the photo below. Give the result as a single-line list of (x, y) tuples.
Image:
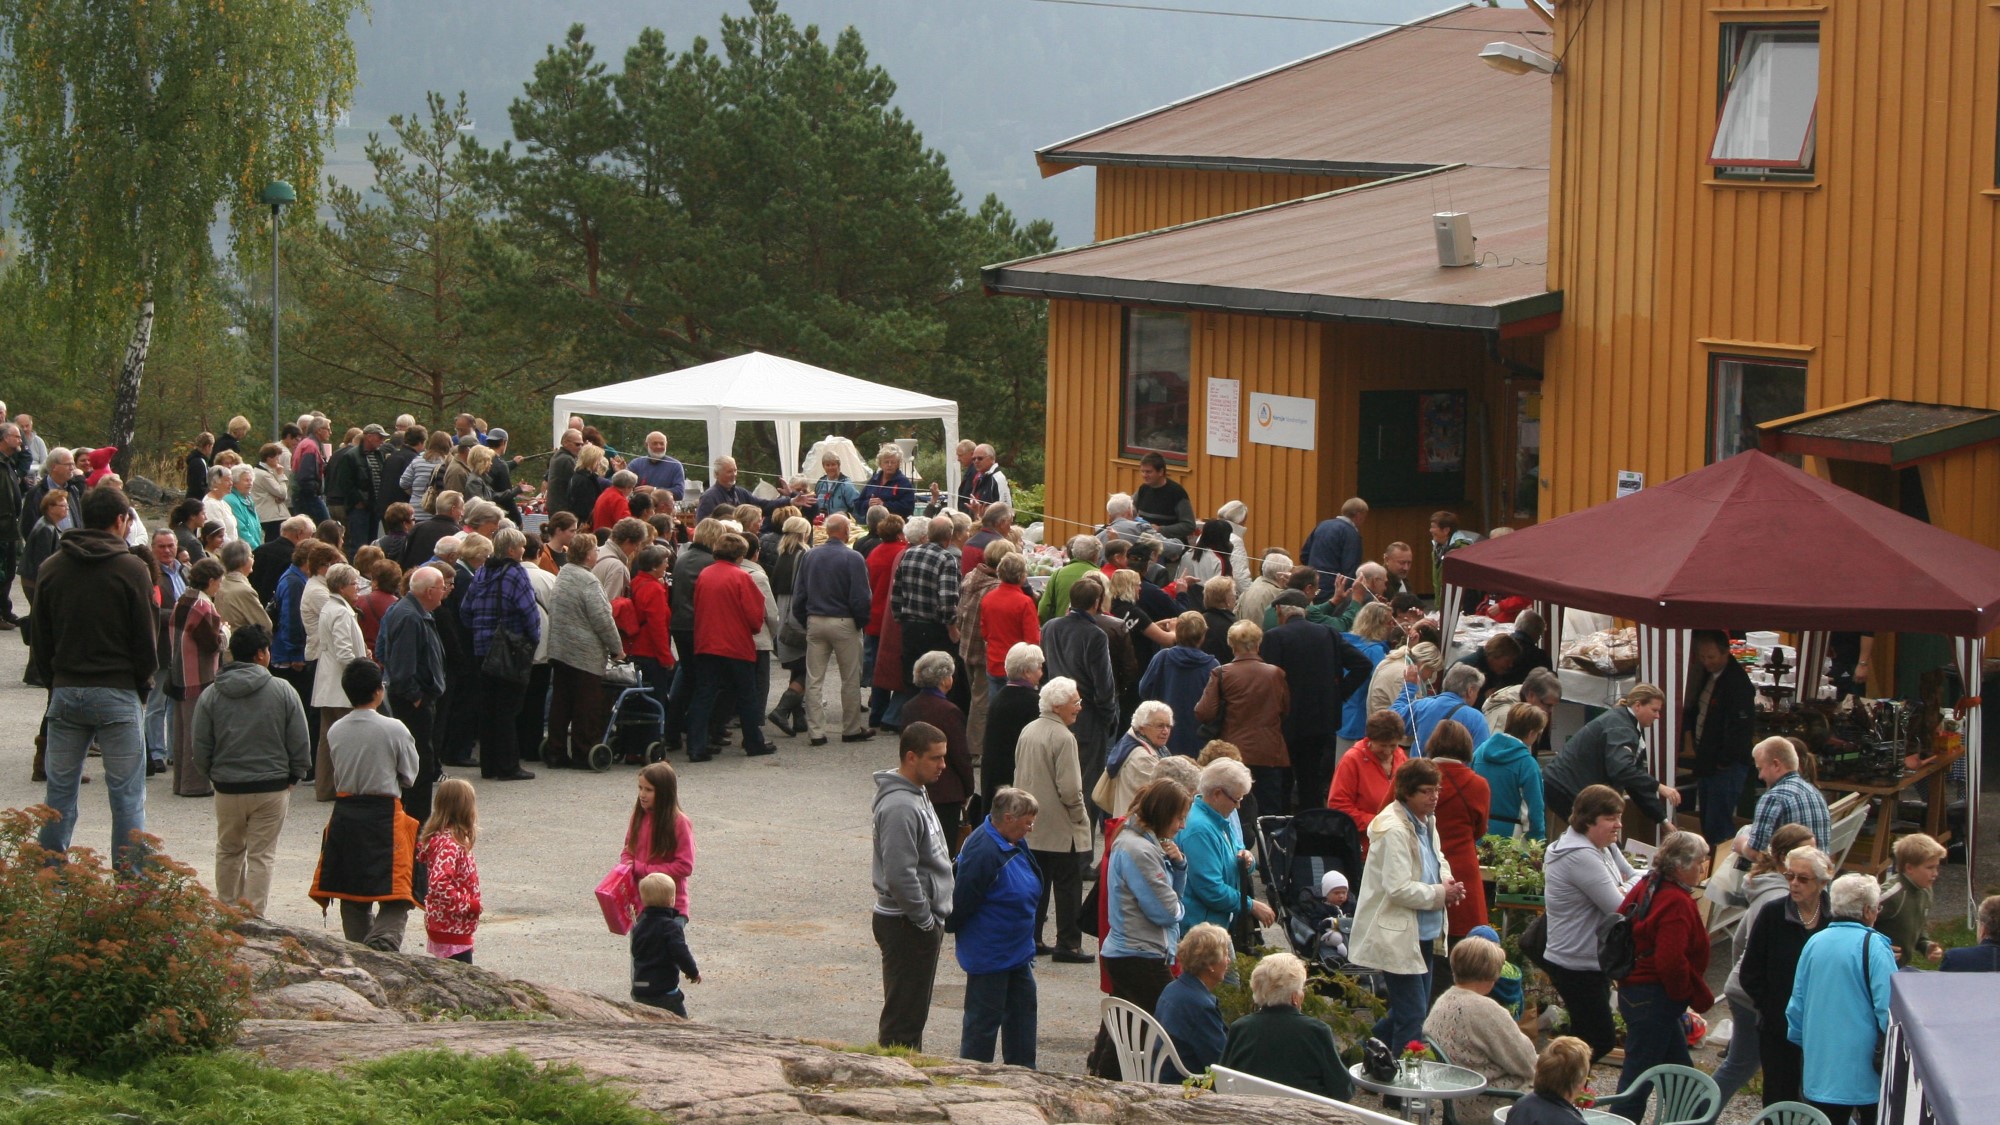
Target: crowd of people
[(363, 616)]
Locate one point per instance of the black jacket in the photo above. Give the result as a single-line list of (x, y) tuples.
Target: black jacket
[(1730, 732), (1771, 959), (392, 479), (660, 953), (423, 540), (197, 475), (1321, 669), (688, 566), (94, 612), (268, 563), (1006, 717)]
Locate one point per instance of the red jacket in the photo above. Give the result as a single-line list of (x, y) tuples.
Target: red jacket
[(1007, 616), (649, 601), (728, 612), (611, 507), (1361, 789), (451, 908), (1464, 802), (881, 571), (1671, 944)]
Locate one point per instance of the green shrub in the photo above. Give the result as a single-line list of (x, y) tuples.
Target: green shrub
[(1028, 500), (1335, 999), (108, 969)]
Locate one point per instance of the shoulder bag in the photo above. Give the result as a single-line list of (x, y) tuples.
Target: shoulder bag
[(1616, 950), (1868, 990), (510, 658), (1212, 729)]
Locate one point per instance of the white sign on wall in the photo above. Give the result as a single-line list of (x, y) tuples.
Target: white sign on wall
[(1282, 420), (1630, 482), (1224, 416)]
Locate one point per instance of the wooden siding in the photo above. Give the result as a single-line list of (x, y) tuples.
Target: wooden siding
[(1879, 274), (1281, 486), (1131, 200)]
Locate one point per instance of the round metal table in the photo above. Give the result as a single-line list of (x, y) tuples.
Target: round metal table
[(1436, 1082), (1590, 1117)]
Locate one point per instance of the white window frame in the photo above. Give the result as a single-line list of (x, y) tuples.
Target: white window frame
[(1762, 65), (1725, 398)]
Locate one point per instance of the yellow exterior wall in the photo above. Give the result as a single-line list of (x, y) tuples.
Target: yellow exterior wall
[(1879, 274), (1131, 200)]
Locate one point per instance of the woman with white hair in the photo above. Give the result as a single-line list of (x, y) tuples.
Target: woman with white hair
[(1129, 765), (1216, 887), (1840, 1003), (340, 644), (215, 506), (1278, 1042), (248, 529), (501, 602), (1769, 940), (1669, 969), (1014, 706), (1047, 767), (932, 704), (833, 492), (993, 903), (888, 488), (1187, 1009)]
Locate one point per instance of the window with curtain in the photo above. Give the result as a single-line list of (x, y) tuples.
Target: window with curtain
[(1744, 392), (1770, 101), (1154, 388)]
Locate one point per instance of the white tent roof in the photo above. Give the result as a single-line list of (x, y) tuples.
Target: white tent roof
[(756, 387)]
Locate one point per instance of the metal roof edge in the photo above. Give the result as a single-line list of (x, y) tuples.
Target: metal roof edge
[(1042, 155), (1261, 302), (1135, 236), (1241, 164)]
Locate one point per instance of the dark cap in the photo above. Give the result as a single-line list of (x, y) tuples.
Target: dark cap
[(1292, 598), (496, 436), (467, 442), (374, 430)]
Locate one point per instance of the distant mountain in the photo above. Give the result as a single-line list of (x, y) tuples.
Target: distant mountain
[(987, 81)]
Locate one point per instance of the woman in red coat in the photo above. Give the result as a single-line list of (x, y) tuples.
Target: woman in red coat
[(882, 645), (1464, 800), (650, 645)]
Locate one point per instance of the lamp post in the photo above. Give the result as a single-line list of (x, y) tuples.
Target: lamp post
[(277, 193)]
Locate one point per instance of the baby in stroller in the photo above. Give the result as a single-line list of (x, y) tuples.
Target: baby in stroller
[(1330, 932), (1310, 861)]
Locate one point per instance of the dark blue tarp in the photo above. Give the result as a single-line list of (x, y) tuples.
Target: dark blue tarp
[(1940, 1062)]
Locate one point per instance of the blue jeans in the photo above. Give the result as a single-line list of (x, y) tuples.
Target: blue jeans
[(1744, 1057), (1002, 1003), (713, 675), (1718, 794), (110, 717), (159, 719), (993, 686), (314, 506), (360, 526), (1653, 1035), (1409, 1003)]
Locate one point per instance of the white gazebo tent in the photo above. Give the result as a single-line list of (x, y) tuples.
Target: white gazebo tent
[(756, 387)]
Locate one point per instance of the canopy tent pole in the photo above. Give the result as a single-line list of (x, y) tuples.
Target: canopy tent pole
[(1812, 662), (1448, 600), (951, 462), (1663, 660), (1970, 653), (788, 449)]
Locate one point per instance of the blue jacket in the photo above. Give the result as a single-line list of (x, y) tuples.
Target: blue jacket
[(898, 495), (1187, 1009), (1447, 705), (1354, 713), (993, 903), (501, 597), (1176, 676), (831, 581), (288, 638), (1833, 1021), (1211, 892), (660, 472), (1143, 888), (1981, 958), (1511, 771), (1333, 548), (838, 494)]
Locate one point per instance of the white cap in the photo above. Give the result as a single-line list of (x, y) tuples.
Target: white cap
[(1331, 880)]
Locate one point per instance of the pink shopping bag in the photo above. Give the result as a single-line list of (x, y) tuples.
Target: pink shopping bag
[(618, 897)]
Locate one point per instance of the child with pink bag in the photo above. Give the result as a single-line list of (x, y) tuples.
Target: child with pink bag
[(658, 838)]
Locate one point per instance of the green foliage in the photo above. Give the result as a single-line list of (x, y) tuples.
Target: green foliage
[(896, 1051), (1514, 865), (1335, 999), (432, 1087), (386, 289), (107, 969), (1029, 500)]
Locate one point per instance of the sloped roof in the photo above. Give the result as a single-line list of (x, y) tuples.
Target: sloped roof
[(1361, 255), (1412, 97)]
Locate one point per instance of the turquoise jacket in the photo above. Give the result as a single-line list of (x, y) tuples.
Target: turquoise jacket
[(1510, 770), (1210, 846), (1833, 1020)]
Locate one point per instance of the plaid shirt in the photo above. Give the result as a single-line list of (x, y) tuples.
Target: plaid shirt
[(1790, 800), (926, 585)]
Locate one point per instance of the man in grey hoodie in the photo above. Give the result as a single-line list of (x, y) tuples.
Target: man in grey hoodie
[(913, 885), (250, 741)]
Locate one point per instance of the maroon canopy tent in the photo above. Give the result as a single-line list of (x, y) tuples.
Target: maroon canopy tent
[(1747, 543)]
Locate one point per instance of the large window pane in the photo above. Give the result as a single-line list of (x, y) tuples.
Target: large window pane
[(1744, 392), (1770, 100), (1154, 391)]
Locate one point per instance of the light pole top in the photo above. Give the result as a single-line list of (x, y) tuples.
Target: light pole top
[(278, 193)]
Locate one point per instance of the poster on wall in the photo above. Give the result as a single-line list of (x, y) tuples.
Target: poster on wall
[(1223, 415), (1282, 420), (1441, 432)]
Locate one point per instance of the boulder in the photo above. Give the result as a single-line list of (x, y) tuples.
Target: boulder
[(139, 490)]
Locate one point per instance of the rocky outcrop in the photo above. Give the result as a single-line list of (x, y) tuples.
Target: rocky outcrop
[(323, 1003), (695, 1073)]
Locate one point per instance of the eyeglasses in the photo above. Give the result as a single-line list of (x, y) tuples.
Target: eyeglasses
[(1795, 877)]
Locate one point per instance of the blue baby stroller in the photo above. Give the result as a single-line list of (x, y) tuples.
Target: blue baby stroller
[(638, 720)]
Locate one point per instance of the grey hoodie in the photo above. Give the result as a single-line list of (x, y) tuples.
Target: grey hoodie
[(912, 863), (250, 731), (1584, 887)]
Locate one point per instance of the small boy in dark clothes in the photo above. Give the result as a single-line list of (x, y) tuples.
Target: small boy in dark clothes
[(659, 948)]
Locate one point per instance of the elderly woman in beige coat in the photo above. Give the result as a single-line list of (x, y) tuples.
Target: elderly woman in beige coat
[(1046, 765), (1474, 1031), (1405, 888)]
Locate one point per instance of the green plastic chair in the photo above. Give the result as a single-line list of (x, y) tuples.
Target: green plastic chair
[(1790, 1113), (1687, 1096)]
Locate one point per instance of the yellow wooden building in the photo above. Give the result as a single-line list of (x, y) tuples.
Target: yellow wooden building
[(1754, 216)]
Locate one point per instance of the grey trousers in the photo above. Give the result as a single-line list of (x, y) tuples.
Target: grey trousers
[(375, 925)]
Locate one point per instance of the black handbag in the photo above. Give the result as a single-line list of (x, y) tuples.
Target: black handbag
[(1243, 925), (1212, 729), (510, 658), (1535, 938), (1616, 951), (1378, 1061)]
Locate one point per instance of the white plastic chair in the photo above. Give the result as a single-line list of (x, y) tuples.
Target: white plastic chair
[(1144, 1047), (1238, 1084), (1845, 831)]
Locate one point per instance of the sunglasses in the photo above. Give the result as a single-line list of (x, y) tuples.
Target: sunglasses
[(1795, 877)]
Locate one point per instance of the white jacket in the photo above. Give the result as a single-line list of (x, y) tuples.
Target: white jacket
[(340, 644), (1393, 893), (271, 494)]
